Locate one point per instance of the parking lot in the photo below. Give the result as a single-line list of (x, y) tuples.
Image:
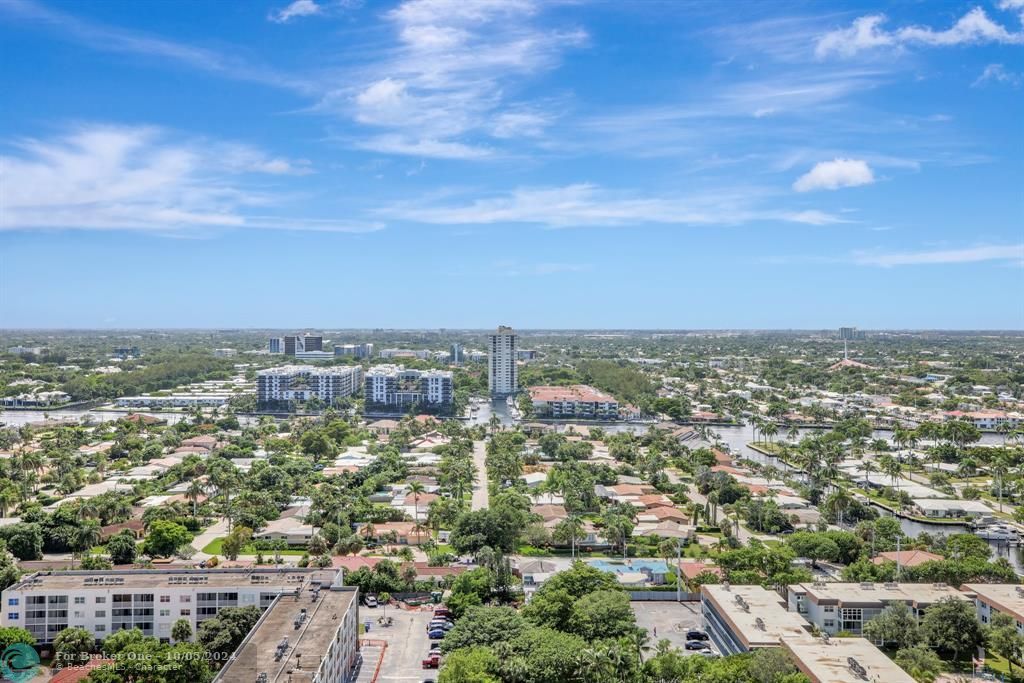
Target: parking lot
[(668, 620), (407, 644)]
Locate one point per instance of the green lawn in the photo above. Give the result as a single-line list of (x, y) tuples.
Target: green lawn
[(215, 547)]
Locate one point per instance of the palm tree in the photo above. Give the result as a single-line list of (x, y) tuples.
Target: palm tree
[(194, 492), (793, 434), (638, 639), (85, 537), (891, 467), (8, 498), (868, 466), (769, 429), (1000, 467), (416, 488)]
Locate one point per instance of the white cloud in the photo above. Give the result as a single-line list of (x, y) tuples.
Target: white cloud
[(863, 34), (584, 204), (999, 74), (866, 33), (107, 38), (444, 86), (1010, 252), (515, 124), (142, 178), (422, 147), (832, 175), (298, 8)]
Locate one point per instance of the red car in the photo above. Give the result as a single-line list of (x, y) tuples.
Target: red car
[(432, 662)]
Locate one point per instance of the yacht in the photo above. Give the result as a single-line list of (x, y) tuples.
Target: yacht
[(997, 532)]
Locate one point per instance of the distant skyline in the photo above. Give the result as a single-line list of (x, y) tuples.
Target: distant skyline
[(465, 163)]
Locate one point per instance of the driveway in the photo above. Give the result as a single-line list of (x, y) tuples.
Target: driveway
[(213, 532), (481, 494)]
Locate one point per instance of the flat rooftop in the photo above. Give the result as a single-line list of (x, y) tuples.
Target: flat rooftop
[(756, 615), (867, 594), (1008, 598), (835, 661), (289, 578), (307, 644)]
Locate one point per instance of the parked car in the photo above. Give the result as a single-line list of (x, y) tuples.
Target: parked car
[(446, 625), (696, 645), (432, 662), (696, 634), (370, 600), (436, 634)]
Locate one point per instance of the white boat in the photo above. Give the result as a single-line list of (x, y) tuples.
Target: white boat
[(997, 532)]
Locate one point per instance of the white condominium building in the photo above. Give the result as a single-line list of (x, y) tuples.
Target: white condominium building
[(502, 372), (835, 607), (394, 386), (151, 600), (303, 382)]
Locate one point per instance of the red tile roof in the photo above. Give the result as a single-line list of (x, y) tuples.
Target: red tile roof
[(577, 393)]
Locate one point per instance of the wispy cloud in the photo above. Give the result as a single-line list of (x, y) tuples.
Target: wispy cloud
[(443, 89), (999, 74), (976, 254), (145, 179), (105, 38), (584, 204), (832, 175), (867, 33), (298, 8)]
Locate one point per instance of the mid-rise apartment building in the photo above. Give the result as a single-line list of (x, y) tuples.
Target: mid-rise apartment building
[(502, 371), (843, 660), (743, 618), (151, 600), (396, 387), (835, 607), (456, 354), (576, 401), (276, 345), (420, 354), (354, 350), (290, 383), (294, 343), (311, 637), (997, 598)]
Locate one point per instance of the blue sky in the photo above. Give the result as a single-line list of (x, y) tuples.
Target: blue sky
[(464, 163)]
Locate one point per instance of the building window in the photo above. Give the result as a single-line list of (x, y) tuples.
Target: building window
[(829, 609), (165, 598), (186, 612), (101, 600), (184, 598), (80, 601), (13, 616), (165, 612), (101, 614), (100, 628), (12, 601)]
